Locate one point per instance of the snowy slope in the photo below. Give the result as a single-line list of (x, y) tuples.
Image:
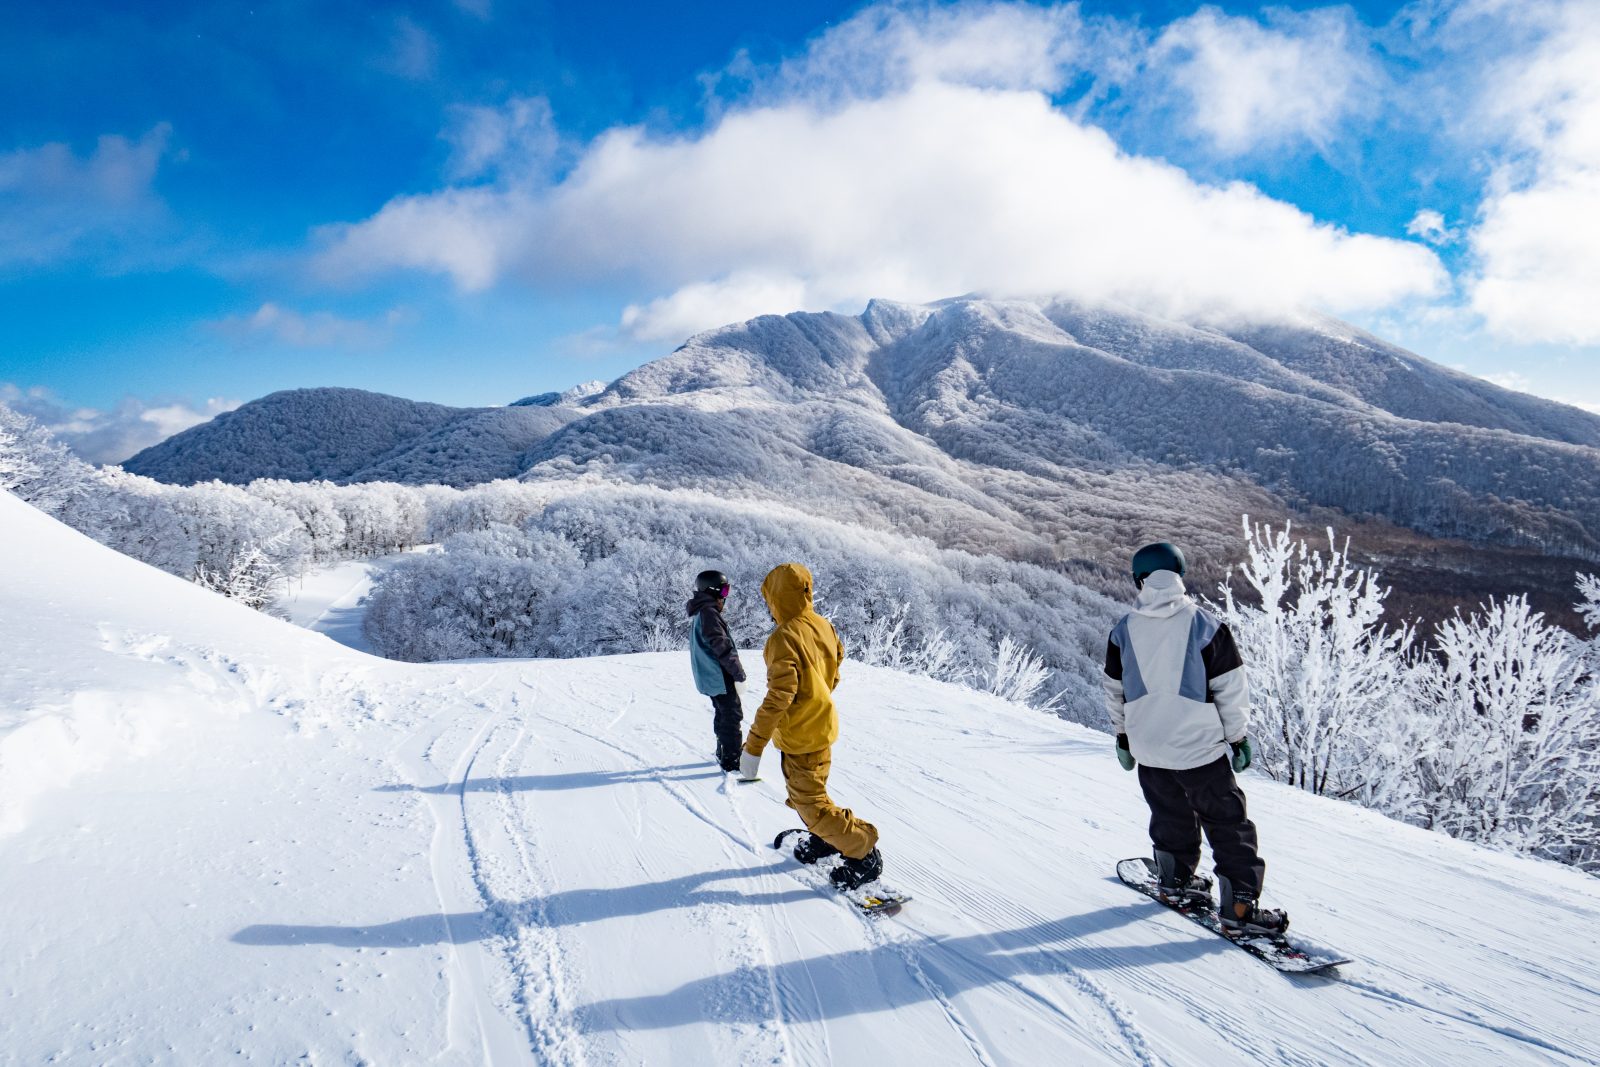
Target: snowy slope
[(316, 854)]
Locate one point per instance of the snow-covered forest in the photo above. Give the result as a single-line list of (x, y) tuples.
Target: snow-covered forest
[(1486, 727)]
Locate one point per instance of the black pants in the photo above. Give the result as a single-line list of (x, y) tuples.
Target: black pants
[(1181, 802), (728, 721)]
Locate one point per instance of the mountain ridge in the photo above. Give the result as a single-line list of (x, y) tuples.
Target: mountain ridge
[(1044, 430)]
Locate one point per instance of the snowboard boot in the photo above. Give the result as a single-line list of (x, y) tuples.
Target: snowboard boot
[(1177, 886), (1242, 917), (853, 874), (808, 847)]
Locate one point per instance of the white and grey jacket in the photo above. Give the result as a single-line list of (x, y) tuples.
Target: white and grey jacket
[(1174, 681)]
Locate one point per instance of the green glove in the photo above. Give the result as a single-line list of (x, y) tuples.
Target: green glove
[(1241, 754), (1124, 757)]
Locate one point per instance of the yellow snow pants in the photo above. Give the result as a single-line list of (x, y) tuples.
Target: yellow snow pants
[(806, 776)]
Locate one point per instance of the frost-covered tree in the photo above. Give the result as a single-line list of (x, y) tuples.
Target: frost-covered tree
[(507, 503), (1589, 600), (253, 577), (897, 601), (36, 467), (16, 466), (494, 592), (886, 642), (313, 504), (1018, 674), (1328, 684), (1513, 759), (630, 601), (226, 522), (138, 517)]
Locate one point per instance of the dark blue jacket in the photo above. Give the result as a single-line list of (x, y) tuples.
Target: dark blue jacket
[(711, 647)]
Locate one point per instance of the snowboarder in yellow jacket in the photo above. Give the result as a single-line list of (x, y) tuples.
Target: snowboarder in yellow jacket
[(803, 657)]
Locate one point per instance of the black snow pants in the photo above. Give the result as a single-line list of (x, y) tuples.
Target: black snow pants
[(1181, 802), (728, 721)]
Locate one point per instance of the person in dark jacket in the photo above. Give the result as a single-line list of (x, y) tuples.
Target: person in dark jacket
[(714, 659), (1180, 707)]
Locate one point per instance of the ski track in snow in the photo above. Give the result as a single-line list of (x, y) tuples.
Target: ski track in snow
[(756, 961), (531, 945), (878, 931), (874, 935), (771, 996), (471, 1011)]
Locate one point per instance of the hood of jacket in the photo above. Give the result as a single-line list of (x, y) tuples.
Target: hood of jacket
[(787, 591), (1162, 596), (705, 598)]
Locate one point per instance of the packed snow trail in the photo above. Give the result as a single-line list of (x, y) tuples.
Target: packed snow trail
[(275, 848), (329, 599)]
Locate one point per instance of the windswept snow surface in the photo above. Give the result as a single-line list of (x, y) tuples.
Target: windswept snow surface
[(236, 839)]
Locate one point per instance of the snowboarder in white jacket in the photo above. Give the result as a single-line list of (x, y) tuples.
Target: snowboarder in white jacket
[(1180, 707)]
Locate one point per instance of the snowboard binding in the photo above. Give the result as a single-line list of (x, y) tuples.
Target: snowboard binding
[(1256, 920), (1179, 888)]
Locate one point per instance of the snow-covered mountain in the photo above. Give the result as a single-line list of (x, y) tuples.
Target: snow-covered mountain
[(225, 837), (1037, 430), (350, 435)]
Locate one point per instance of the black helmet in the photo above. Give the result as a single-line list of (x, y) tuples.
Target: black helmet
[(1161, 556), (714, 581)]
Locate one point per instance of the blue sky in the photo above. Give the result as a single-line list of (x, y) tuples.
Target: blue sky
[(470, 202)]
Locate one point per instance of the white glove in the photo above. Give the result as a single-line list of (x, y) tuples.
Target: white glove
[(738, 689), (749, 765)]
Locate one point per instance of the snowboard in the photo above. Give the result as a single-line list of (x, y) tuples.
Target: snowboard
[(873, 898), (1276, 950)]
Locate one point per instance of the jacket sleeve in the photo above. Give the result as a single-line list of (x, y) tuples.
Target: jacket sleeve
[(838, 648), (715, 629), (1112, 681), (783, 684), (1226, 684)]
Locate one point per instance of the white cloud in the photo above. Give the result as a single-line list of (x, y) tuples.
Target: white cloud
[(1538, 260), (319, 329), (56, 206), (110, 436), (938, 188), (1510, 379), (701, 305), (1429, 226), (411, 51), (1251, 85), (889, 48), (518, 140)]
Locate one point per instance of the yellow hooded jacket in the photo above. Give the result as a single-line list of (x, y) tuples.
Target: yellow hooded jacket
[(803, 656)]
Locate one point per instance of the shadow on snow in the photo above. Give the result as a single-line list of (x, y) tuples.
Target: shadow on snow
[(838, 981), (503, 917), (881, 977), (575, 780)]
